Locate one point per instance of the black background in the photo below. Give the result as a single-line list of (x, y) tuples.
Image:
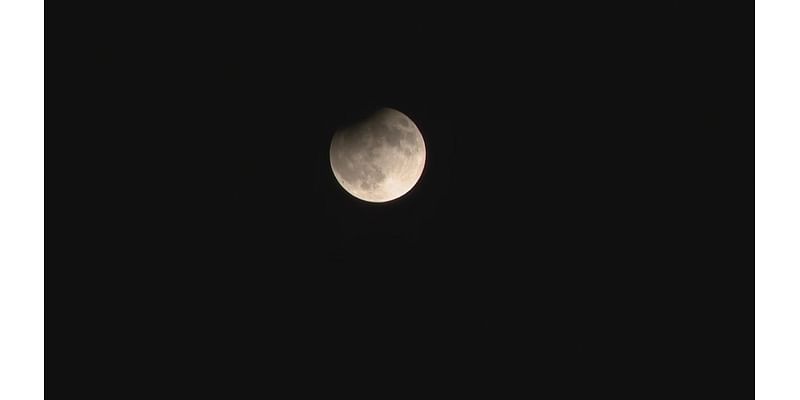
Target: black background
[(210, 249)]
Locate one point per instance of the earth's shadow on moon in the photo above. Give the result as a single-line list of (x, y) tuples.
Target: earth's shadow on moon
[(356, 115)]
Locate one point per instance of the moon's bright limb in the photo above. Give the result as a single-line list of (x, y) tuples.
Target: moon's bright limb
[(379, 158)]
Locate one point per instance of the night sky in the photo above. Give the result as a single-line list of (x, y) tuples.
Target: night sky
[(537, 247)]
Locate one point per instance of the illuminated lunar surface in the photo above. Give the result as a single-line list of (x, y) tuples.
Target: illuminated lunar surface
[(379, 158)]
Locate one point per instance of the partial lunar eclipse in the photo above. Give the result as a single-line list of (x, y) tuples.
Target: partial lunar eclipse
[(379, 158)]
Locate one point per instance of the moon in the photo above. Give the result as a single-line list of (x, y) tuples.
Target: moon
[(379, 158)]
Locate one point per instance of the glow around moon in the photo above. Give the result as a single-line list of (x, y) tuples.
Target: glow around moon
[(379, 158)]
